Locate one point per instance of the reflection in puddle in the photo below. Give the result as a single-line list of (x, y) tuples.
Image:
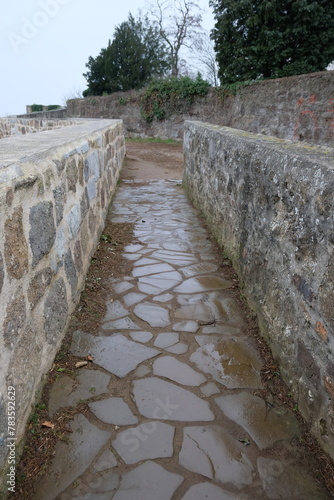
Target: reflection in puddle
[(232, 362)]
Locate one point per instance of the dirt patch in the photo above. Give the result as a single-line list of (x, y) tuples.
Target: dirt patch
[(150, 160)]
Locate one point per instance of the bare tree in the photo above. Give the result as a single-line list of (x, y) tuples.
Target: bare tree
[(178, 21), (205, 57), (73, 93)]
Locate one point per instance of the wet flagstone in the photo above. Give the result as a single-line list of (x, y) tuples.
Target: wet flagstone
[(173, 411), (116, 354), (113, 411)]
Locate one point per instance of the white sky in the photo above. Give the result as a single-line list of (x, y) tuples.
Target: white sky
[(46, 44)]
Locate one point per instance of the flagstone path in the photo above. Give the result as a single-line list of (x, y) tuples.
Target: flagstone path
[(174, 408)]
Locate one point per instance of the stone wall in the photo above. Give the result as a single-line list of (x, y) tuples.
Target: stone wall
[(270, 203), (55, 188), (51, 114), (21, 126), (298, 107)]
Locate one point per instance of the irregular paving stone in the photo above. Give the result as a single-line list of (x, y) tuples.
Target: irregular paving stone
[(201, 268), (162, 400), (122, 287), (121, 324), (72, 459), (208, 491), (175, 258), (166, 339), (105, 461), (210, 389), (264, 425), (131, 256), (205, 307), (202, 284), (133, 248), (171, 368), (179, 348), (115, 310), (199, 312), (153, 314), (116, 354), (133, 298), (149, 481), (232, 362), (282, 480), (212, 452), (104, 483), (142, 371), (68, 392), (177, 246), (159, 283), (144, 261), (113, 411), (151, 269), (141, 336), (163, 298), (186, 326), (148, 440)]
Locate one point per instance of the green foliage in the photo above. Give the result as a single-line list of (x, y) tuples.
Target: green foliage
[(229, 89), (36, 107), (53, 106), (162, 98), (272, 38), (136, 54)]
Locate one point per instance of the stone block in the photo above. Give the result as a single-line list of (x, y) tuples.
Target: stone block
[(78, 257), (38, 286), (60, 199), (71, 273), (42, 230), (14, 320), (16, 249), (2, 272), (72, 175), (55, 312), (74, 220)]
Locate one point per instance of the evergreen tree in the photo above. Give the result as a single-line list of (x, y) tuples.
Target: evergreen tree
[(272, 38), (136, 54)]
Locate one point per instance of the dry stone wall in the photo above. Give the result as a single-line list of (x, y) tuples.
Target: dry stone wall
[(53, 205), (270, 204), (298, 108)]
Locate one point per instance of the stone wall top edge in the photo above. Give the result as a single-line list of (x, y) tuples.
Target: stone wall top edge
[(315, 153), (17, 151)]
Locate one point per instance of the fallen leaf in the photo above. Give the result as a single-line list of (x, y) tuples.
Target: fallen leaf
[(80, 364), (48, 424), (244, 441)]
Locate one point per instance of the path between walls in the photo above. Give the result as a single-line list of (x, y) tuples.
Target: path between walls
[(174, 390)]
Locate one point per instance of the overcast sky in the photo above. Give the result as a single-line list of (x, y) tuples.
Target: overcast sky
[(46, 43)]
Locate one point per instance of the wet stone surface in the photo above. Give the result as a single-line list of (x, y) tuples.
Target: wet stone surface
[(172, 388)]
